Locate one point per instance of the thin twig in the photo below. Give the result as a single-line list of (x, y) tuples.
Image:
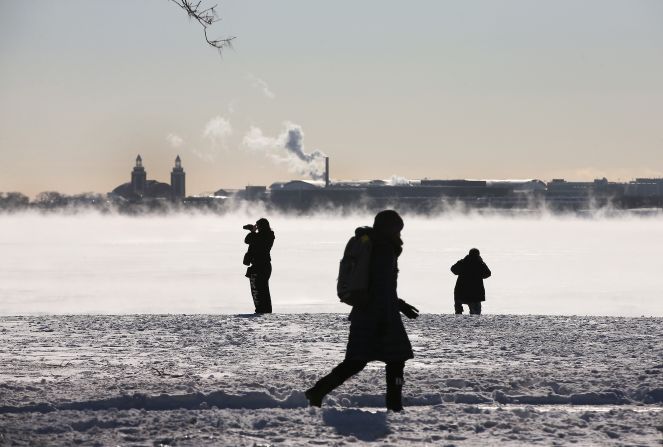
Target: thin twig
[(206, 17)]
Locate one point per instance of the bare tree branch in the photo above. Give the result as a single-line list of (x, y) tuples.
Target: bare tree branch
[(206, 17)]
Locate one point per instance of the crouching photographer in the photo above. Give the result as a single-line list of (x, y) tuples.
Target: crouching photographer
[(260, 240)]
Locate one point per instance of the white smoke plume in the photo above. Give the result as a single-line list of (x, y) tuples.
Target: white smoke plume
[(174, 140), (216, 132), (288, 148), (261, 85), (217, 129), (397, 180), (232, 106)]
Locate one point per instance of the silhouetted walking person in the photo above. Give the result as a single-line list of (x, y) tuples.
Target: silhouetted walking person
[(260, 240), (376, 329), (471, 271)]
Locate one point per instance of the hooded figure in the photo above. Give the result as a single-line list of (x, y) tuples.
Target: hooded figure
[(260, 240), (471, 271), (376, 328)]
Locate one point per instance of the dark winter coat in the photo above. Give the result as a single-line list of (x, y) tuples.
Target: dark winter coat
[(471, 271), (376, 328), (260, 244)]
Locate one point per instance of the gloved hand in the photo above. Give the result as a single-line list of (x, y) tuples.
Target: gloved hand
[(408, 310)]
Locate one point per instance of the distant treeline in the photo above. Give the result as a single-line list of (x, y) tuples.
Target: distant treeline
[(53, 201), (46, 201), (16, 201)]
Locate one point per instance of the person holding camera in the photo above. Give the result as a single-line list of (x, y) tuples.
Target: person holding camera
[(260, 240)]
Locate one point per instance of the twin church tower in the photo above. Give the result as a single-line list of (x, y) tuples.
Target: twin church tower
[(177, 179), (142, 188)]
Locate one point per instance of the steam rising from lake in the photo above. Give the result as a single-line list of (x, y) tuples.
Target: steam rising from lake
[(193, 264)]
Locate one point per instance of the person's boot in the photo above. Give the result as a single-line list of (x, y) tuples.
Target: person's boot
[(315, 394), (394, 391)]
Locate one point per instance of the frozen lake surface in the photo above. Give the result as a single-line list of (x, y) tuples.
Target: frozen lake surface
[(191, 380), (192, 264)]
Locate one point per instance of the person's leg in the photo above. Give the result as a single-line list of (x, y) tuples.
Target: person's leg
[(253, 282), (458, 308), (475, 308), (262, 298), (338, 375), (265, 296), (394, 385)]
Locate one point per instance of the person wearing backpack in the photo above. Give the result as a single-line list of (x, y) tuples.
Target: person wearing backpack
[(376, 329), (260, 240), (469, 289)]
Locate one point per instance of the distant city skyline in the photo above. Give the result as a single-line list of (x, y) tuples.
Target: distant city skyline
[(477, 89)]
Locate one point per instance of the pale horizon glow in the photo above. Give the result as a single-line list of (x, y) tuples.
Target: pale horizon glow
[(466, 89)]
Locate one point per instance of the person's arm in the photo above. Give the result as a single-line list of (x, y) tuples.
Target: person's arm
[(456, 269), (407, 309), (486, 271), (250, 238), (270, 241)]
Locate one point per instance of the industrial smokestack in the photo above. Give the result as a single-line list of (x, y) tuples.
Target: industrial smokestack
[(326, 172)]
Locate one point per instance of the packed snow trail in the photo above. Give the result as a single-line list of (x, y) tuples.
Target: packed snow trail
[(191, 380)]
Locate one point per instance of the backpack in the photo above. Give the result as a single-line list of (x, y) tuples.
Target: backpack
[(353, 272)]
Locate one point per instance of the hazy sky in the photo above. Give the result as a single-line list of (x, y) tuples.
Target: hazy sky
[(437, 89)]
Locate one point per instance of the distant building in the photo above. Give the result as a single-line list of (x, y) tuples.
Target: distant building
[(140, 188), (138, 178), (645, 187), (295, 185), (254, 192), (559, 187), (417, 195), (177, 183)]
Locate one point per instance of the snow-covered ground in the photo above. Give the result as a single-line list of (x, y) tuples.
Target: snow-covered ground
[(225, 377), (192, 263), (238, 380)]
